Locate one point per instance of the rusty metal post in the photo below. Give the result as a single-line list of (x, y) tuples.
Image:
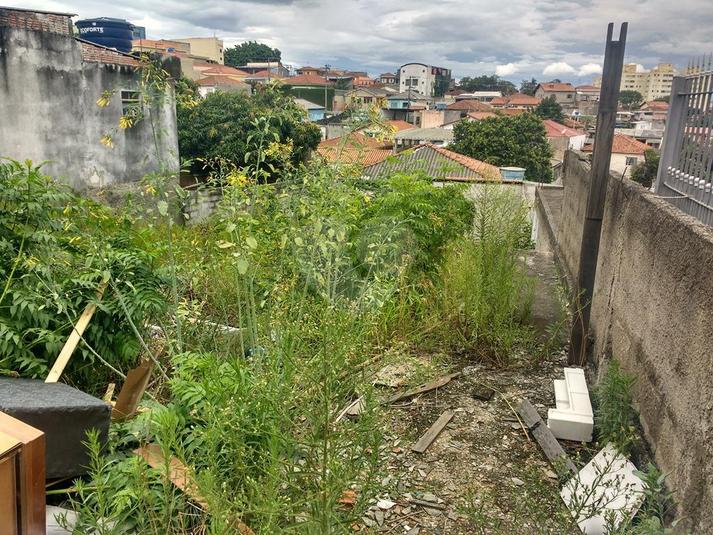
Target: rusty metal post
[(601, 159)]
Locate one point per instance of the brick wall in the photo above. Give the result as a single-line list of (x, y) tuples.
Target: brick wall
[(33, 20), (91, 52)]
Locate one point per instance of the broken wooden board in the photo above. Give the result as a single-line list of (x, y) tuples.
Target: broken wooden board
[(179, 474), (429, 436), (355, 408), (422, 389), (132, 391), (73, 340), (547, 441)]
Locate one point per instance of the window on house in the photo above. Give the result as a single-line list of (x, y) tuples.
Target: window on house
[(631, 160), (129, 99)]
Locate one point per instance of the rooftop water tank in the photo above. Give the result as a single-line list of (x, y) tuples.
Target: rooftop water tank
[(105, 31), (512, 173)]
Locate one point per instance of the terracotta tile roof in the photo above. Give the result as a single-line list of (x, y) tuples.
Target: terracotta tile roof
[(587, 88), (520, 99), (212, 81), (307, 79), (654, 105), (101, 54), (355, 140), (499, 101), (223, 70), (264, 74), (439, 163), (400, 125), (555, 87), (512, 111), (479, 115), (469, 105), (623, 145), (367, 156), (555, 129)]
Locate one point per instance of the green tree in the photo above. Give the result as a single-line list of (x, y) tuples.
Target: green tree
[(527, 87), (519, 140), (630, 99), (645, 172), (187, 95), (487, 83), (549, 108), (250, 51), (220, 128)]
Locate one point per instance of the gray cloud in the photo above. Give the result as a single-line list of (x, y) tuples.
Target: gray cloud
[(518, 37)]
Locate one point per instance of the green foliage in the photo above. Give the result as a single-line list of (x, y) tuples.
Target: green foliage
[(645, 172), (55, 250), (219, 128), (519, 141), (187, 95), (630, 99), (250, 51), (549, 108), (483, 294), (487, 83), (615, 414)]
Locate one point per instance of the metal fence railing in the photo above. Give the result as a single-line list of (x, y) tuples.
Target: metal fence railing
[(685, 174)]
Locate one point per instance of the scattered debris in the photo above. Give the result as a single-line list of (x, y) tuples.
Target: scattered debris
[(422, 389), (385, 505), (550, 447), (355, 408), (429, 436), (517, 481), (348, 499), (74, 337), (132, 391), (392, 375), (430, 504), (605, 490), (573, 419), (482, 392), (109, 392)]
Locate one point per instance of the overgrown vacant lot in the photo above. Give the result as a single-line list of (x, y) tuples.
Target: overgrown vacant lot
[(262, 324)]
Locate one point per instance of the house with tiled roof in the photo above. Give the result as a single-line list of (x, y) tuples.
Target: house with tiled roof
[(437, 136), (315, 112), (518, 101), (353, 155), (587, 93), (626, 153), (48, 105), (223, 70), (442, 165), (468, 105), (564, 93), (226, 84), (262, 77), (388, 78), (563, 138)]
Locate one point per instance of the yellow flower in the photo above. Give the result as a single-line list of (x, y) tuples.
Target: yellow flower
[(104, 100), (236, 178), (107, 141), (125, 122), (150, 190)]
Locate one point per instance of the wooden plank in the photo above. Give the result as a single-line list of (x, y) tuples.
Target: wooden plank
[(429, 436), (31, 472), (180, 475), (544, 437), (132, 391), (422, 389), (74, 337)]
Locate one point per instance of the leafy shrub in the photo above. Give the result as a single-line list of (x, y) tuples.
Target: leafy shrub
[(56, 249), (615, 414)]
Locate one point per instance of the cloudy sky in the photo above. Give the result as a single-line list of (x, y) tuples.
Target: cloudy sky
[(516, 39)]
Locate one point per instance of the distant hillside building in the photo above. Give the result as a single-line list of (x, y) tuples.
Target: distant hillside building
[(425, 79), (206, 47), (564, 93), (652, 84), (388, 78)]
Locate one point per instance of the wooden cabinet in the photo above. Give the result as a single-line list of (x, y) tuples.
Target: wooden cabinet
[(22, 478)]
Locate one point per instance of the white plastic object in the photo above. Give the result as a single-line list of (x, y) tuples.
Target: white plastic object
[(573, 419)]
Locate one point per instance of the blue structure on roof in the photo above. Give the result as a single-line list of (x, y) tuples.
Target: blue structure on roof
[(109, 32)]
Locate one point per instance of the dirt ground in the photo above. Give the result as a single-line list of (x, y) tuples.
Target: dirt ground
[(482, 465)]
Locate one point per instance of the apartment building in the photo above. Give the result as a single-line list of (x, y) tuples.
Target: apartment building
[(206, 47), (651, 83), (425, 79)]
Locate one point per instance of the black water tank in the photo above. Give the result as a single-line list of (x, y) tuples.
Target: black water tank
[(105, 31)]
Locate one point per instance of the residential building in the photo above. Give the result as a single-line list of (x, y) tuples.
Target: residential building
[(389, 78), (139, 32), (351, 155), (274, 67), (425, 79), (437, 136), (315, 112), (563, 138), (312, 71), (208, 69), (312, 88), (441, 164), (363, 81), (652, 111), (363, 97), (405, 106), (564, 93), (651, 83), (587, 93), (226, 84), (466, 106), (191, 66), (480, 115), (626, 153), (481, 96), (515, 101), (51, 82), (205, 47), (262, 77)]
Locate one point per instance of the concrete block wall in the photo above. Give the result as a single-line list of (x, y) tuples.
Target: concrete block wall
[(651, 311), (37, 21)]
